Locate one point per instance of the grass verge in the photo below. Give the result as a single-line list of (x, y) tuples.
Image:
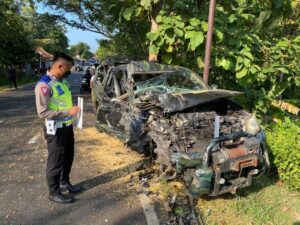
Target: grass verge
[(268, 201), (21, 80)]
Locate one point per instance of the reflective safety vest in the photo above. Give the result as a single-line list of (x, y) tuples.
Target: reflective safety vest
[(60, 99)]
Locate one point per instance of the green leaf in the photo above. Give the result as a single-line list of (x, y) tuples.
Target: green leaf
[(154, 49), (247, 16), (178, 31), (167, 58), (248, 55), (232, 18), (269, 70), (179, 24), (219, 34), (297, 39), (283, 70), (137, 11), (263, 16), (152, 36), (226, 63), (159, 41), (204, 26), (146, 4), (169, 37), (297, 81), (200, 62), (278, 88), (169, 48), (261, 76), (194, 22), (166, 20), (246, 62), (253, 70), (128, 13), (158, 19), (196, 38), (284, 43), (188, 34), (242, 73), (165, 26)]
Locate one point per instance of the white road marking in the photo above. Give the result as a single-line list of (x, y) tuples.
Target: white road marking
[(33, 140), (148, 210), (1, 121)]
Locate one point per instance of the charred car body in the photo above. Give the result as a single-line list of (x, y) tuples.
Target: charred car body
[(190, 128)]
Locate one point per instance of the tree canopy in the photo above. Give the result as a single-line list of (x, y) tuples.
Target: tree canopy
[(15, 44), (256, 44), (22, 30), (82, 50)]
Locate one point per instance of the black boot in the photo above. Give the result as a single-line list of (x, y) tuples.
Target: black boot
[(60, 198), (69, 187)]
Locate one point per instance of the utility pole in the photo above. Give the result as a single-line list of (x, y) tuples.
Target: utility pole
[(211, 16)]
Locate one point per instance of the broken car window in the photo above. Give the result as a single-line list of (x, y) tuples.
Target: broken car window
[(175, 82)]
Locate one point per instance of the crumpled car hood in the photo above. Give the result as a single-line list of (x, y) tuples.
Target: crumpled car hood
[(177, 102)]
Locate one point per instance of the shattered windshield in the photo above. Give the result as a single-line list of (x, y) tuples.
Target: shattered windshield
[(172, 82)]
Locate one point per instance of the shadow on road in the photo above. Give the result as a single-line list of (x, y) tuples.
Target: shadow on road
[(82, 209), (110, 176)]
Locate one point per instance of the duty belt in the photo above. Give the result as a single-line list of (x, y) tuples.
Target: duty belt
[(67, 121)]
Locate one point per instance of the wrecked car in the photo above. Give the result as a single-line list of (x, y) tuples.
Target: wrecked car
[(189, 128)]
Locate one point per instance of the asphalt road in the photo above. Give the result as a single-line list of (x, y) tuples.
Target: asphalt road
[(23, 190)]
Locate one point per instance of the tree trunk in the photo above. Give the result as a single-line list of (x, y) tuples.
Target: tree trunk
[(154, 26)]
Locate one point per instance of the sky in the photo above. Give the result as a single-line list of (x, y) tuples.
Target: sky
[(76, 35)]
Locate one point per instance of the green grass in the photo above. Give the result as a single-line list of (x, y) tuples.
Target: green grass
[(21, 80), (267, 202)]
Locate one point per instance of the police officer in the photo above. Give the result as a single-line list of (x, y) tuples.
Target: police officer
[(54, 104)]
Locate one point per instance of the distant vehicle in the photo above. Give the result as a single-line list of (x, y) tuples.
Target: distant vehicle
[(92, 61), (85, 83), (79, 65)]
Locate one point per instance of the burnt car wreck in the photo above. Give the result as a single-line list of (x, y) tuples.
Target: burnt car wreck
[(189, 128)]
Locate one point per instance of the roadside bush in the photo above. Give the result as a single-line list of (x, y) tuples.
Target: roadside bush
[(284, 142)]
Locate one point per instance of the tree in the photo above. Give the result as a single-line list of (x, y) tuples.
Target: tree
[(15, 44), (82, 49), (45, 31)]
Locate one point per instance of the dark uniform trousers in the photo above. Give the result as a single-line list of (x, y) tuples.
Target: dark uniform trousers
[(60, 157)]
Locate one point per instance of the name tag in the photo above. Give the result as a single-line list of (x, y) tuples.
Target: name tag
[(50, 126)]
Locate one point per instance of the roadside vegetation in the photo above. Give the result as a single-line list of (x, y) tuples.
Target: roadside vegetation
[(21, 80)]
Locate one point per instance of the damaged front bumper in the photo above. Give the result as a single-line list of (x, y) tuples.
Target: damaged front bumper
[(229, 163)]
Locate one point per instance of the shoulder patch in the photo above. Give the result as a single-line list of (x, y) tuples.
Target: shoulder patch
[(45, 78), (45, 91)]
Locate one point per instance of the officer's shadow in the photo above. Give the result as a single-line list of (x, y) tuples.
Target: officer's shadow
[(110, 176)]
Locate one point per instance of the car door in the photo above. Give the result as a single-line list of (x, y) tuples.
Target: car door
[(112, 115)]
